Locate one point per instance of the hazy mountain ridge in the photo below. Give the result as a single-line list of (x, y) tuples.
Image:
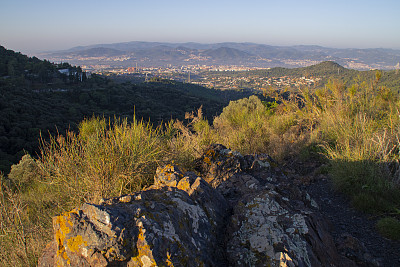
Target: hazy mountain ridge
[(99, 52), (247, 54)]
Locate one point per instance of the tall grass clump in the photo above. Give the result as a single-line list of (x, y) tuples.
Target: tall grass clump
[(356, 127), (389, 227), (103, 159), (187, 141)]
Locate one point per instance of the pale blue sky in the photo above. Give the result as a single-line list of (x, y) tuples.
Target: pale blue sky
[(40, 25)]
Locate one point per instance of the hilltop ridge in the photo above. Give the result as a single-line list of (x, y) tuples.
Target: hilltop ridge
[(247, 54)]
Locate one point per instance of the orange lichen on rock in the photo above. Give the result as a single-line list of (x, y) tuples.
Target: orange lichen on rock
[(168, 261), (63, 225), (75, 242), (145, 254), (209, 156), (184, 184), (62, 229), (169, 175)]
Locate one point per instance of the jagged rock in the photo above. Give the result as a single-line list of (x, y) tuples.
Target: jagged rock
[(245, 212), (175, 222), (273, 223)]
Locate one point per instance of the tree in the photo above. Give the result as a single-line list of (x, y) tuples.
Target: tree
[(11, 67)]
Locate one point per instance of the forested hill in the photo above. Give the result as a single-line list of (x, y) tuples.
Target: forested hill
[(329, 70), (323, 69), (31, 70), (35, 97)]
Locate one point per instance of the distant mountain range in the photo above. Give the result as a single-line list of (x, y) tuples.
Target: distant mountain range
[(146, 54)]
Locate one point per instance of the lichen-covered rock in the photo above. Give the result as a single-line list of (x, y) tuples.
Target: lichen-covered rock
[(266, 230), (170, 175), (273, 223), (174, 223), (218, 164), (245, 212)]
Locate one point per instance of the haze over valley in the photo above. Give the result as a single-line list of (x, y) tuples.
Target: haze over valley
[(249, 55)]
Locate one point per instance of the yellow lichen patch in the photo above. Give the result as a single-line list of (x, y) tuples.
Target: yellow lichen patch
[(285, 260), (74, 243), (169, 167), (125, 199), (145, 255), (184, 184), (209, 155), (169, 175), (62, 230), (168, 261), (62, 222), (63, 225), (252, 205)]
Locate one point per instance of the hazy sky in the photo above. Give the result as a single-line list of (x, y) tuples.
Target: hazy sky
[(40, 25)]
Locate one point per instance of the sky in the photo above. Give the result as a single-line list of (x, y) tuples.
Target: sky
[(32, 26)]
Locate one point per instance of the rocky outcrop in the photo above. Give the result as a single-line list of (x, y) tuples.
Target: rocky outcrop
[(236, 211), (175, 222)]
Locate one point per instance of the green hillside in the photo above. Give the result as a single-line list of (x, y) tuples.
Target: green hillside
[(326, 68)]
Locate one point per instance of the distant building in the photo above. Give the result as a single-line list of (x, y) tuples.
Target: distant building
[(70, 72), (64, 71)]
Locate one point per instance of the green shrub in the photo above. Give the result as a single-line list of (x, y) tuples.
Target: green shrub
[(185, 142), (25, 173), (389, 227), (368, 183), (243, 125)]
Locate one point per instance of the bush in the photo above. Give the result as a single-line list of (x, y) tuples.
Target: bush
[(242, 125), (389, 227), (25, 173), (186, 142)]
